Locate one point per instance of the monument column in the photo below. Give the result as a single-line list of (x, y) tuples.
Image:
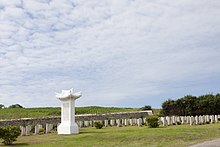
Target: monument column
[(68, 125)]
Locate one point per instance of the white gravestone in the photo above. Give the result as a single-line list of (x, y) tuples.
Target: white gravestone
[(126, 122), (49, 127), (23, 130), (182, 119), (68, 124), (139, 122), (37, 128), (28, 130), (106, 123), (196, 120), (216, 118), (118, 122)]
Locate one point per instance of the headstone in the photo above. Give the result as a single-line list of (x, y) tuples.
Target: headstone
[(49, 127), (86, 123), (106, 123), (68, 124), (182, 119), (187, 119), (23, 130), (216, 118), (200, 119), (196, 120), (178, 119), (91, 123), (123, 122), (131, 122), (191, 121), (173, 118), (112, 122), (126, 122), (211, 119), (168, 120), (203, 119), (144, 120), (163, 121), (139, 122), (118, 122), (37, 128), (207, 118), (80, 124), (134, 121), (28, 130)]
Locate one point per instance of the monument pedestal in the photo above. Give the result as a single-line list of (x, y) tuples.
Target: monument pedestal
[(68, 125), (66, 128)]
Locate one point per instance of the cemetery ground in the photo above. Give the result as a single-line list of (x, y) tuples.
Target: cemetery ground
[(176, 135)]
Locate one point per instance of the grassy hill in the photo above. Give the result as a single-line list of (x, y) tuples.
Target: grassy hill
[(15, 113)]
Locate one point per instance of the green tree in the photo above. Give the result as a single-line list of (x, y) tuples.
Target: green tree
[(15, 106), (2, 106), (148, 107)]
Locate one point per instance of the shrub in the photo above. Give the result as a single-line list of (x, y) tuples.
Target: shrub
[(98, 125), (148, 107), (41, 131), (152, 121), (9, 134)]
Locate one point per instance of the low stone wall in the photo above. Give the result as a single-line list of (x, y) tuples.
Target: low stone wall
[(85, 117)]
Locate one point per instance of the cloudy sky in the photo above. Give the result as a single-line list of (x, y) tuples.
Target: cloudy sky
[(126, 53)]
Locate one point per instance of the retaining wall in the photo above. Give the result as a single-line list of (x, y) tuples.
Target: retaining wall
[(84, 117)]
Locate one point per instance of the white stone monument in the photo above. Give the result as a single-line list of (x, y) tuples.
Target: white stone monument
[(68, 124)]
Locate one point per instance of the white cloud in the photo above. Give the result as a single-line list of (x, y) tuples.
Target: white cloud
[(114, 51)]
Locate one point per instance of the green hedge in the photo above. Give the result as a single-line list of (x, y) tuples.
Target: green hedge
[(152, 121)]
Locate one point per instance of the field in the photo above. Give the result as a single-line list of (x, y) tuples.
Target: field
[(15, 113), (178, 136)]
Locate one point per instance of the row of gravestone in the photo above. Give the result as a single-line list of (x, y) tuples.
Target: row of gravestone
[(164, 121), (191, 120), (28, 130), (114, 122)]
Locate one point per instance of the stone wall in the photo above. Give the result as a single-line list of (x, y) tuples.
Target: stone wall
[(85, 117)]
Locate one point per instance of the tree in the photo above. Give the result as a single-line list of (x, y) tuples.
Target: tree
[(2, 106), (148, 107), (15, 106), (208, 104)]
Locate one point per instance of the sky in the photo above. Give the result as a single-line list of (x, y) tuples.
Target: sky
[(119, 53)]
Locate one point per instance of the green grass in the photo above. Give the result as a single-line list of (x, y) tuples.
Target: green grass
[(156, 111), (15, 113), (178, 136)]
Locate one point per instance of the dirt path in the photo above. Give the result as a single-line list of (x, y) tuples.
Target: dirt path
[(212, 143)]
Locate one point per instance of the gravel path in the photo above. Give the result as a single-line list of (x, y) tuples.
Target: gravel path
[(212, 143)]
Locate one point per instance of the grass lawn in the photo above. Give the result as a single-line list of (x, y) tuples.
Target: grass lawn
[(182, 135)]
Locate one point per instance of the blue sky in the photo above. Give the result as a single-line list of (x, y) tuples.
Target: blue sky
[(127, 53)]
